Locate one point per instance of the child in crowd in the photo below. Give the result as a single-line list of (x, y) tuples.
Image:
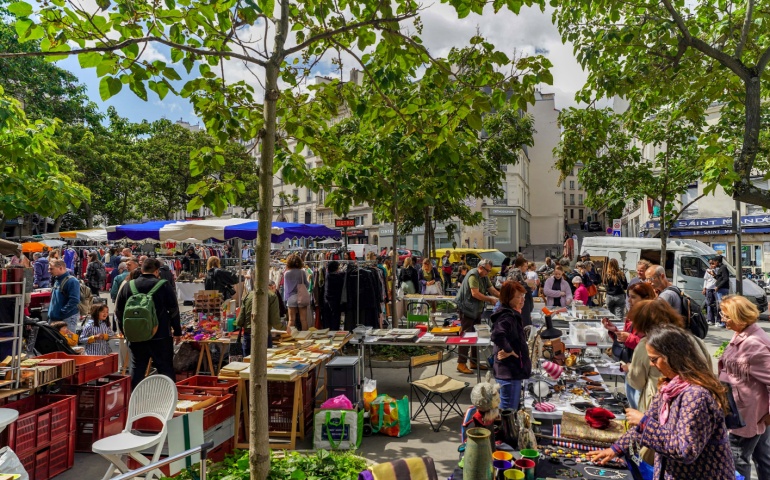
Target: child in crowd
[(61, 327), (97, 330), (532, 279)]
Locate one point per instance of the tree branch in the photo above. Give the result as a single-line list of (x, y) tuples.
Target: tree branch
[(135, 41), (763, 61), (684, 208), (353, 26), (733, 64), (745, 30)]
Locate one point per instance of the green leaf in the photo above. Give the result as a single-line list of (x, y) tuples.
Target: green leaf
[(474, 121), (109, 87), (171, 74), (267, 6), (22, 26), (194, 204), (20, 9), (89, 59)]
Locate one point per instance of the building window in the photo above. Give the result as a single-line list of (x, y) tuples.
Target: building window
[(309, 197), (572, 213), (692, 194), (320, 217), (571, 184), (580, 199), (308, 218), (503, 229), (295, 192), (580, 212), (571, 198), (295, 216)]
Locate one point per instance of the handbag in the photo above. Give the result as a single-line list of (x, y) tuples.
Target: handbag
[(337, 429), (592, 290), (640, 470), (622, 352), (733, 420), (434, 289)]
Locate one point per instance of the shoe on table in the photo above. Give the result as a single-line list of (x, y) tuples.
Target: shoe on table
[(462, 368)]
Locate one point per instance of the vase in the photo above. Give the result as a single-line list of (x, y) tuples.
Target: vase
[(477, 463), (509, 429)]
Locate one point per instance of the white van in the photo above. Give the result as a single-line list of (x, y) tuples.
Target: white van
[(686, 263), (361, 249)]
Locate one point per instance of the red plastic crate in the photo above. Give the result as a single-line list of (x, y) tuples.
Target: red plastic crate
[(91, 430), (102, 397), (88, 367), (41, 419), (207, 385), (28, 462), (41, 465), (61, 455), (213, 415)]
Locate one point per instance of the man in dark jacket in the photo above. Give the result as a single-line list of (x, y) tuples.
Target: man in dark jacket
[(42, 277), (722, 286), (159, 348), (65, 295)]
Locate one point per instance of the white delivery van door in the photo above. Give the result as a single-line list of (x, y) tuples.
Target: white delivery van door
[(627, 260), (689, 271)]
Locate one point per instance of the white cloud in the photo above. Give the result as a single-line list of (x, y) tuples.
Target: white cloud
[(527, 32)]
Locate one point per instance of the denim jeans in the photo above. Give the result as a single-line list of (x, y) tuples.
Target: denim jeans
[(711, 305), (722, 292), (510, 394), (246, 342), (72, 322), (633, 396), (746, 449)]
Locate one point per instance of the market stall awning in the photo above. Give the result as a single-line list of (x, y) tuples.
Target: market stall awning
[(9, 248), (94, 234), (32, 247), (193, 230), (54, 243), (248, 231)]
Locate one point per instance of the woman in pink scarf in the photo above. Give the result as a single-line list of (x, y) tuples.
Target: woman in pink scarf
[(685, 423)]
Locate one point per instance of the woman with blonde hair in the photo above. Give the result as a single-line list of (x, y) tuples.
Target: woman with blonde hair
[(745, 365), (616, 285)]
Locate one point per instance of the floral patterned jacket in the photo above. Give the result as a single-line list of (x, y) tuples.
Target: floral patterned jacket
[(692, 444)]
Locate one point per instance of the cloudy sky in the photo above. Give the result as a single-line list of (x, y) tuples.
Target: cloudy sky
[(528, 32)]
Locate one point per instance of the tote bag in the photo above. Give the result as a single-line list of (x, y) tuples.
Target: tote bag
[(390, 416), (337, 429)]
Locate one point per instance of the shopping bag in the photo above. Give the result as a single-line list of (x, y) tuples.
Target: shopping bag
[(370, 393), (337, 429), (10, 463), (390, 416), (434, 289)]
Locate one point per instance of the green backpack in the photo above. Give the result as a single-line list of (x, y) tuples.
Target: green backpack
[(140, 321)]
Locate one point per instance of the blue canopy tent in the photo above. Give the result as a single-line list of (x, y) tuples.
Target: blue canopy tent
[(235, 228)]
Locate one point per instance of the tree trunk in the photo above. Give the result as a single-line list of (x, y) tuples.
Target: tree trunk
[(744, 190), (394, 261), (89, 215), (3, 221), (425, 236), (664, 231), (57, 223), (259, 450)]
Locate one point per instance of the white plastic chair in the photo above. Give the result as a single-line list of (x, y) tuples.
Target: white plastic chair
[(154, 397)]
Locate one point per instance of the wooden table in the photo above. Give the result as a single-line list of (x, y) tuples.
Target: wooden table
[(222, 343), (297, 415)]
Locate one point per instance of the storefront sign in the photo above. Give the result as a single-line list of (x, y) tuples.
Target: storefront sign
[(344, 222), (502, 211), (746, 221), (356, 233)]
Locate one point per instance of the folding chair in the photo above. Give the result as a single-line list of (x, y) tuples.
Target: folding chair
[(154, 397), (439, 390), (417, 311)]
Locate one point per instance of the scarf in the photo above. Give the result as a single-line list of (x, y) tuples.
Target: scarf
[(670, 391)]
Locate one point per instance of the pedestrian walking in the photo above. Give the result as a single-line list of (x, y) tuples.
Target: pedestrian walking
[(160, 346)]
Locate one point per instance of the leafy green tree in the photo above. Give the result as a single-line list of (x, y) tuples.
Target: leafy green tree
[(45, 90), (684, 56), (34, 179), (615, 169), (295, 36)]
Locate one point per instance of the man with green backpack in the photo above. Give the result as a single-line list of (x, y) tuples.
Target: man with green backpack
[(147, 313)]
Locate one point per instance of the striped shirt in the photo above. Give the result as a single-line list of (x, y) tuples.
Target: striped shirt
[(100, 346)]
